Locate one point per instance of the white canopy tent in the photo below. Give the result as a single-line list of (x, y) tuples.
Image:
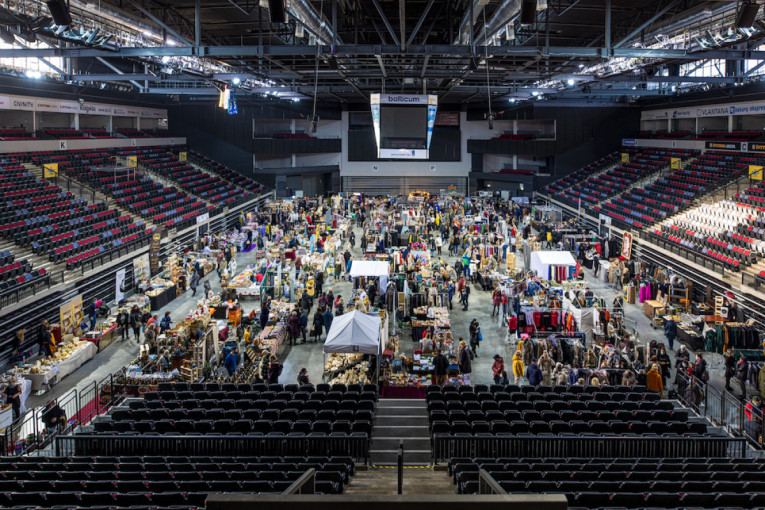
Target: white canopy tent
[(371, 268), (354, 333), (542, 260)]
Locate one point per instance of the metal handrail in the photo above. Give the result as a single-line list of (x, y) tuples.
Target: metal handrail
[(400, 468), (487, 484), (306, 484), (446, 446)]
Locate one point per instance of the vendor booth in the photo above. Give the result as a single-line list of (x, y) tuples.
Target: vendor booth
[(553, 265), (371, 268), (351, 336)]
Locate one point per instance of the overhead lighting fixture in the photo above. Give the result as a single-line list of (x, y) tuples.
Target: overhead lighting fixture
[(570, 82), (511, 100), (746, 14), (510, 32), (165, 59), (236, 81), (59, 10), (534, 93), (581, 66), (34, 75), (148, 33), (6, 36), (541, 5)]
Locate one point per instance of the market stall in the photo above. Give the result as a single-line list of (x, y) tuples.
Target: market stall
[(553, 265), (352, 338)]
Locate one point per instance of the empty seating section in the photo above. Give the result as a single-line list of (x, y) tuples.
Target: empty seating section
[(97, 133), (516, 171), (140, 194), (730, 231), (706, 134), (247, 409), (14, 273), (582, 174), (133, 133), (47, 220), (558, 410), (293, 136), (521, 137), (623, 483), (64, 133), (665, 196), (201, 184), (235, 177), (157, 482), (642, 164), (10, 134)]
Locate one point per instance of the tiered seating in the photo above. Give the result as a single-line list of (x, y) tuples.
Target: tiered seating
[(729, 231), (156, 482), (213, 166), (193, 180), (64, 133), (9, 134), (244, 408), (133, 133), (293, 136), (663, 197), (53, 222), (624, 483), (643, 163), (516, 171), (14, 273), (97, 133), (558, 410), (581, 174), (521, 137)]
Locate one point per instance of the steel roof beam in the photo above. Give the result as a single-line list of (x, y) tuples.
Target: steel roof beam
[(371, 50)]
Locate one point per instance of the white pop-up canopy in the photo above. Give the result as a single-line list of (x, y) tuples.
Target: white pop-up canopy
[(369, 268), (354, 332), (542, 260)]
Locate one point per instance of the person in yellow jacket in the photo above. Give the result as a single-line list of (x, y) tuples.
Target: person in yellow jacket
[(518, 368)]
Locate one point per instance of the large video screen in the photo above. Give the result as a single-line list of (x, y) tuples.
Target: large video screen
[(403, 124), (403, 127)]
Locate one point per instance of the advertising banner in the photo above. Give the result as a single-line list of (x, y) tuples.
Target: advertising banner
[(154, 246), (132, 161), (119, 285), (755, 172), (431, 122), (625, 157), (50, 170), (674, 163)]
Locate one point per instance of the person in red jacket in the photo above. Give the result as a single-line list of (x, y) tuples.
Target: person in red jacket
[(497, 368)]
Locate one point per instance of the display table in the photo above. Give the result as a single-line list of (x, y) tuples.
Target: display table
[(653, 307), (163, 298), (101, 338), (41, 381), (84, 352), (403, 392), (692, 339)]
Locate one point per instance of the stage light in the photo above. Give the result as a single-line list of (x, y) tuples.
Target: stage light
[(7, 37)]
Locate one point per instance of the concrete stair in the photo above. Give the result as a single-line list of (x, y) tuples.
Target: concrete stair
[(401, 421), (415, 481)]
